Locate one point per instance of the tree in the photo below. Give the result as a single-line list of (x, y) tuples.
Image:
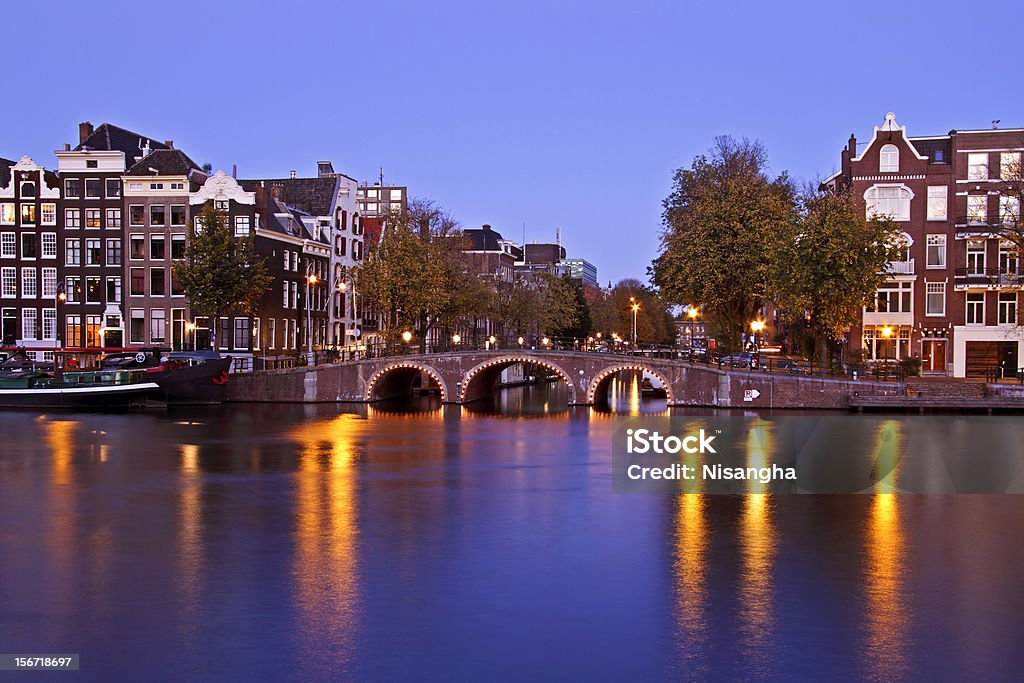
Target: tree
[(221, 274), (614, 314), (412, 273), (576, 322), (830, 262), (720, 224), (1011, 228)]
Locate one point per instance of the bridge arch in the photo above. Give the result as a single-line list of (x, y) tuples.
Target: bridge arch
[(490, 369), (400, 371), (602, 378)]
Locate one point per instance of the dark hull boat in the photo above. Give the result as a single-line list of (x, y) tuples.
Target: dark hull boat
[(82, 391), (183, 377)]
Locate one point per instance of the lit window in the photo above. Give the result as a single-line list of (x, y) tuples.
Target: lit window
[(889, 159), (7, 214), (49, 214)]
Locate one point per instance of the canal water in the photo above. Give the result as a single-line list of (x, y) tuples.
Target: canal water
[(392, 543)]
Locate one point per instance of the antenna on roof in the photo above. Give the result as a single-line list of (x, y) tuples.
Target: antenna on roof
[(558, 236), (995, 123), (382, 176)]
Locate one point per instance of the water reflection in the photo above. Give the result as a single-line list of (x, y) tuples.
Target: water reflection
[(757, 546), (191, 550), (886, 613), (691, 581), (325, 567)]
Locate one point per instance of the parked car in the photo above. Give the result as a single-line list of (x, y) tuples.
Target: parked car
[(791, 367), (742, 359)]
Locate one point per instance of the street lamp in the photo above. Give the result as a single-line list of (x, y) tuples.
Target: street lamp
[(311, 280), (546, 342), (692, 315), (493, 341), (636, 307), (521, 340), (190, 329), (456, 338), (756, 326)]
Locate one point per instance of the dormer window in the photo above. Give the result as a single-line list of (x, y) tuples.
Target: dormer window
[(889, 160)]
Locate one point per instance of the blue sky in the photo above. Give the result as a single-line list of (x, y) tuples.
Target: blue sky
[(552, 114)]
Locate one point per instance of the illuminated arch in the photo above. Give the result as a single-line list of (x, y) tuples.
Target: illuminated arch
[(636, 367), (505, 361), (391, 367)]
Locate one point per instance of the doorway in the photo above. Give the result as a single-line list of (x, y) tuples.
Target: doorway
[(933, 356)]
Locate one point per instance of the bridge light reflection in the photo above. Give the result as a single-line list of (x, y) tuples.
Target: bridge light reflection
[(886, 614), (758, 542)]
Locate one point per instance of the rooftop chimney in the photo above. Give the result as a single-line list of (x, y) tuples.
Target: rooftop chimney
[(234, 171), (169, 143), (486, 226), (85, 129), (293, 174), (67, 146)]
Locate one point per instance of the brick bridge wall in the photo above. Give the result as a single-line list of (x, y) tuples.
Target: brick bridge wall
[(463, 377)]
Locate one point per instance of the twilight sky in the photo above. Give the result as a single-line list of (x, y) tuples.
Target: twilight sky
[(551, 114)]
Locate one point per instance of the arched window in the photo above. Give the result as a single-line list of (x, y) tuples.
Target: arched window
[(889, 160), (889, 200), (904, 241)]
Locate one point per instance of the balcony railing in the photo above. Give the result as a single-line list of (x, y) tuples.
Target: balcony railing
[(901, 267), (988, 276)]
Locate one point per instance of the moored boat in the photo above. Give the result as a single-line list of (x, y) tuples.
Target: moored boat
[(99, 390), (183, 377)]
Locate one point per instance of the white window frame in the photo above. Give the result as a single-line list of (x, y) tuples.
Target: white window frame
[(904, 197), (8, 245), (939, 243), (889, 159), (974, 305), (29, 282), (1008, 309), (49, 282), (977, 166), (48, 214), (938, 203), (48, 245), (1009, 166), (8, 213), (9, 282), (29, 319), (932, 289)]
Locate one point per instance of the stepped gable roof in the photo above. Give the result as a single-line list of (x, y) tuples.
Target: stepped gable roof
[(314, 196), (164, 162), (114, 138)]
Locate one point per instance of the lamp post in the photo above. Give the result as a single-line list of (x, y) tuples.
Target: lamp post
[(407, 337), (692, 314), (311, 280), (58, 355), (520, 340), (493, 341), (456, 338), (756, 327), (636, 307), (190, 330)]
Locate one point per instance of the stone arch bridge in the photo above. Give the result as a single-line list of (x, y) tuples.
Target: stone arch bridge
[(464, 377)]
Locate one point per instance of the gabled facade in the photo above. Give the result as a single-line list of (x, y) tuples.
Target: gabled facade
[(29, 198), (91, 236), (952, 299), (238, 333), (157, 212), (328, 208)]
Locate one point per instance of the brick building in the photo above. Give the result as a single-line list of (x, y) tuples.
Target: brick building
[(29, 195), (90, 231), (952, 300)]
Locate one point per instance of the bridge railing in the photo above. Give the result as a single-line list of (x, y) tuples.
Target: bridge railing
[(884, 371)]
